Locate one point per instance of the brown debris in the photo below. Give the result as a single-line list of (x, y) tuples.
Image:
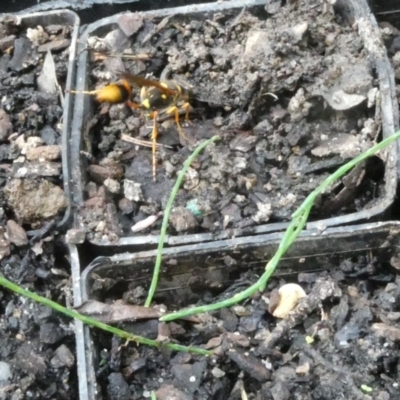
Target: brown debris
[(4, 243), (99, 173), (249, 364), (182, 220), (117, 312), (16, 233), (44, 153), (169, 392), (55, 45), (32, 169), (385, 331), (6, 127), (130, 23), (34, 200)]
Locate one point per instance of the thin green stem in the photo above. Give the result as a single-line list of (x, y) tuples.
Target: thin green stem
[(167, 212), (97, 324), (299, 219)]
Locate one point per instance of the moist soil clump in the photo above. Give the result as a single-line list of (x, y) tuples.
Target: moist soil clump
[(34, 64), (37, 346), (340, 341), (291, 94)]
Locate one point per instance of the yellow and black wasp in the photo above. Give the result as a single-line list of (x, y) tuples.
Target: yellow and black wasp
[(157, 99)]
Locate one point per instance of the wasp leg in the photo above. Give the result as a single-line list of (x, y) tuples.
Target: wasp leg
[(175, 110), (186, 107), (135, 106), (154, 135)]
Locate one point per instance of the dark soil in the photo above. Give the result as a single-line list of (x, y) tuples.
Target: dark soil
[(272, 88), (349, 318), (37, 347), (272, 153)]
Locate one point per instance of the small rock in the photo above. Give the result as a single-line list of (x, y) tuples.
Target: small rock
[(169, 392), (383, 395), (272, 7), (230, 320), (386, 331), (126, 206), (249, 324), (303, 369), (22, 56), (191, 179), (6, 127), (307, 277), (7, 42), (75, 236), (4, 244), (34, 200), (28, 361), (37, 35), (243, 142), (5, 372), (50, 333), (238, 339), (182, 219), (264, 212), (189, 376), (48, 135), (31, 141), (42, 273), (299, 30), (238, 120), (232, 213), (44, 99), (63, 358), (44, 153), (130, 23), (241, 311), (340, 100), (16, 233), (33, 169), (298, 106), (133, 190), (213, 343), (118, 388), (134, 366), (217, 373), (112, 185), (280, 391), (263, 128)]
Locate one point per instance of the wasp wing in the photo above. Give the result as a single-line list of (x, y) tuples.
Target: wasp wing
[(140, 81)]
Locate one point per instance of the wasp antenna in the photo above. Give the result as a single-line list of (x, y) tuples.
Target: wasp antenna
[(91, 92)]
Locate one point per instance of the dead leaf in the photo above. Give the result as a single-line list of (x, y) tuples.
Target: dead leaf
[(347, 146), (47, 80), (340, 100), (118, 311)]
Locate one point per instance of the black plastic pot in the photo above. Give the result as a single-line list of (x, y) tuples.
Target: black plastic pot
[(385, 6), (356, 10), (61, 17), (312, 251), (92, 10)]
